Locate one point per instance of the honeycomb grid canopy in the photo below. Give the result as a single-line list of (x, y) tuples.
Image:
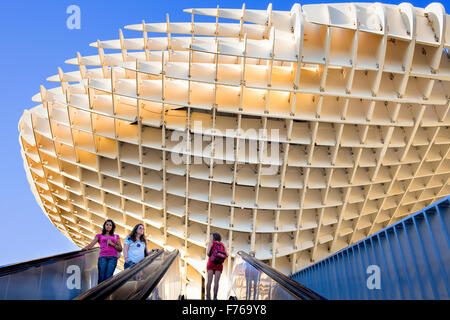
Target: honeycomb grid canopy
[(354, 97)]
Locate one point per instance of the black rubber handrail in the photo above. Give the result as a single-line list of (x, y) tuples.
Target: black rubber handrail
[(107, 287), (294, 288), (22, 266), (152, 283)]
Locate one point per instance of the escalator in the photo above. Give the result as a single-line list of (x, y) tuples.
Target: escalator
[(254, 280), (157, 277), (73, 276), (60, 277)]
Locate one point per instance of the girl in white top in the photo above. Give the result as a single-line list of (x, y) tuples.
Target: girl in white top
[(135, 246)]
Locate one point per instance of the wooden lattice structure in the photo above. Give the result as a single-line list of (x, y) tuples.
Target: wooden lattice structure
[(359, 94)]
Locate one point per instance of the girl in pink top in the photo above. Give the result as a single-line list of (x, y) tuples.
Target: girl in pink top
[(109, 250)]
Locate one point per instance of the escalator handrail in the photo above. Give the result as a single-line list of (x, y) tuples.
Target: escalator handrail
[(107, 287), (22, 266), (153, 283), (294, 288)]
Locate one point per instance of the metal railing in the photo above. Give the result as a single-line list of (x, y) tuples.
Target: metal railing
[(407, 260)]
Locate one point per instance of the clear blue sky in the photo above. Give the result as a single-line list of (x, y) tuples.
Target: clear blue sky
[(35, 41)]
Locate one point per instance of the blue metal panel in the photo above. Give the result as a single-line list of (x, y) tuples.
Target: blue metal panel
[(412, 256)]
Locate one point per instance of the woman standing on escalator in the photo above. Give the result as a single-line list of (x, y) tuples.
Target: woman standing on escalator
[(109, 250), (217, 254), (134, 246)]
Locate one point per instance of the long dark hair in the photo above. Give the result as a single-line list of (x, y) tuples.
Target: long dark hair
[(111, 233), (133, 233), (217, 237)]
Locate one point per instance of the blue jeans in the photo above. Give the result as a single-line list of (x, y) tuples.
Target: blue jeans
[(128, 264), (106, 267)]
